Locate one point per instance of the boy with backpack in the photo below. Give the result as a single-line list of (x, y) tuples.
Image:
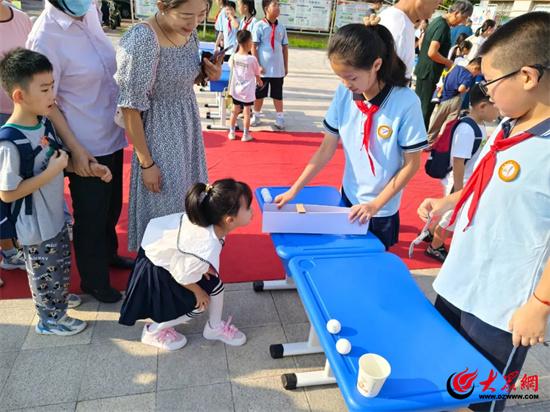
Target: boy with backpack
[(457, 82), (32, 160), (453, 158)]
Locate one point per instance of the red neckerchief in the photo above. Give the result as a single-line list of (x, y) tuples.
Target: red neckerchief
[(247, 23), (484, 172), (369, 113), (273, 30)]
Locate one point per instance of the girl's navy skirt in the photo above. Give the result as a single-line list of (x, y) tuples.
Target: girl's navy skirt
[(152, 293)]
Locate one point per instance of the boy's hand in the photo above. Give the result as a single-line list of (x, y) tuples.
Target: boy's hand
[(262, 70), (260, 83), (363, 212), (58, 161), (433, 207), (202, 299), (101, 171), (528, 323)]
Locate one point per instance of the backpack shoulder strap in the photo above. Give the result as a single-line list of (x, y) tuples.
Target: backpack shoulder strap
[(472, 123), (26, 160)]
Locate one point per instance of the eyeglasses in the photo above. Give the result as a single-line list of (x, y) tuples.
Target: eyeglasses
[(483, 84)]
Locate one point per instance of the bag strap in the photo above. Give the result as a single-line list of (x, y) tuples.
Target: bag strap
[(26, 163)]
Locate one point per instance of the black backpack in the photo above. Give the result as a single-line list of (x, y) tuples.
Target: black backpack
[(438, 164), (10, 211)]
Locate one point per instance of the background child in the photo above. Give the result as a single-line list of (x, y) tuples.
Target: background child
[(227, 29), (457, 82), (245, 75), (494, 287), (176, 276), (40, 226), (379, 122), (15, 26), (467, 143), (271, 50), (247, 9)]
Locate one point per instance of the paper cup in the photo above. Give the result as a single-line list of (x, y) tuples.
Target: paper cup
[(373, 372)]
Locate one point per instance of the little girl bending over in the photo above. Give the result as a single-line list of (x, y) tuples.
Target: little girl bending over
[(176, 275)]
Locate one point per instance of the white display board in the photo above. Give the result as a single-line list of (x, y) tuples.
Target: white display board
[(482, 13), (348, 12), (306, 14), (145, 8)]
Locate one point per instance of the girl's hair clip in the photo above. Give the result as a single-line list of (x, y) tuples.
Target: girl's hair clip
[(371, 20), (208, 188)]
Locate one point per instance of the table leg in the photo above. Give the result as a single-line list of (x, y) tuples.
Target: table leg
[(285, 284), (312, 345), (221, 115), (314, 378)]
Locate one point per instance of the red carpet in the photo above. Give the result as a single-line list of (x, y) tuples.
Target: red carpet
[(273, 159)]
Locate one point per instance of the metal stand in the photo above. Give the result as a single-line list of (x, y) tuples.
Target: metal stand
[(221, 115), (285, 284), (312, 345), (315, 378)]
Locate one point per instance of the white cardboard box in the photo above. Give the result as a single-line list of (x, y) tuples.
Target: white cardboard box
[(333, 220)]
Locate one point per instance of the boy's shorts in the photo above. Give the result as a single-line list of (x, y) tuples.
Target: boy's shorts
[(242, 104), (273, 85)]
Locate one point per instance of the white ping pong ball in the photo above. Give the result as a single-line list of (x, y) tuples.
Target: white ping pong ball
[(333, 326), (343, 346)]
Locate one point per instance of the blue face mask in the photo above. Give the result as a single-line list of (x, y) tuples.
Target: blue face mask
[(75, 8)]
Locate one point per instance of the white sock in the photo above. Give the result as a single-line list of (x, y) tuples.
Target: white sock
[(156, 327), (245, 131), (232, 129), (280, 115), (215, 309), (255, 113)]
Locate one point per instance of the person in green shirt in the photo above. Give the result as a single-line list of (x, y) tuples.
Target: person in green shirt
[(433, 53)]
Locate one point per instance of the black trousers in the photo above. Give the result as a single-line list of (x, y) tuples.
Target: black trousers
[(493, 343), (424, 89), (97, 206)]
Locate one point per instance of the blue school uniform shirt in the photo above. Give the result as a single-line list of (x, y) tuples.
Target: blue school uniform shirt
[(494, 266), (457, 76), (270, 59), (397, 127), (229, 36), (248, 24)]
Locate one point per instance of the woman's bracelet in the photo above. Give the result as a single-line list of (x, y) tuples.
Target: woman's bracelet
[(544, 302), (147, 167)]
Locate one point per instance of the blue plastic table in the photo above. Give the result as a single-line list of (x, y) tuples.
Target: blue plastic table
[(289, 245), (383, 311)]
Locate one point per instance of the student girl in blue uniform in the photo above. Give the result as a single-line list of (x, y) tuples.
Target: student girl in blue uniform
[(247, 10), (379, 122), (227, 26), (271, 50)]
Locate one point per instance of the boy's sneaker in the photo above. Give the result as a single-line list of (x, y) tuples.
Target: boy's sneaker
[(246, 138), (280, 123), (439, 254), (167, 339), (231, 135), (73, 301), (66, 326), (15, 261), (225, 332), (255, 120)]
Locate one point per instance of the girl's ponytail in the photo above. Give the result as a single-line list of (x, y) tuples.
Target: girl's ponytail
[(194, 204), (487, 24), (393, 70)]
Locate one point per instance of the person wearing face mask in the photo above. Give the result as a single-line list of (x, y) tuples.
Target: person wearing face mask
[(69, 33), (158, 63), (400, 20)]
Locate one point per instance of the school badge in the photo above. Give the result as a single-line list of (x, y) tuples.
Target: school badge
[(384, 131), (509, 170)]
